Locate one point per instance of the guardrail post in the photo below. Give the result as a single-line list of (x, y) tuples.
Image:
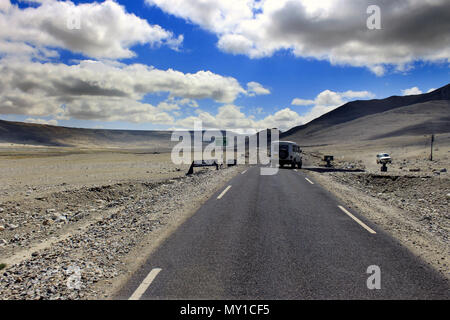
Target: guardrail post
[(191, 169)]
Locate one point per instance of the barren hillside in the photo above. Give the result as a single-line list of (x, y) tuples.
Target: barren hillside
[(47, 135), (376, 119), (414, 120)]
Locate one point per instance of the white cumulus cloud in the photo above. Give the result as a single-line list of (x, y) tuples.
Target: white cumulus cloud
[(52, 122), (411, 91), (326, 30), (302, 102), (327, 101), (95, 90), (106, 29), (255, 88)]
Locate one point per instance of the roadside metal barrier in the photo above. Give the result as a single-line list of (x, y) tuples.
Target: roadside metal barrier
[(202, 163)]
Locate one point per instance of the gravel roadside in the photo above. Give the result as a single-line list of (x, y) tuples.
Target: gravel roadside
[(82, 244), (412, 209)]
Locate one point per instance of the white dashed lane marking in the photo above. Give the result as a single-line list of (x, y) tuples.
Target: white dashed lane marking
[(223, 192), (145, 284), (357, 220)]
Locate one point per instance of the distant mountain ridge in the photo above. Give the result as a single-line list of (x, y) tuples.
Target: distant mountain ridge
[(56, 136), (377, 119), (361, 108), (362, 119), (48, 135)]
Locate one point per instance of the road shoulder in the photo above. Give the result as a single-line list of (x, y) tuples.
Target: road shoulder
[(90, 252), (394, 221)]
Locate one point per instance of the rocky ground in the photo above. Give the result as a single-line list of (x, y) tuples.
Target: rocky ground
[(74, 225), (36, 172), (78, 243), (411, 201), (425, 198)]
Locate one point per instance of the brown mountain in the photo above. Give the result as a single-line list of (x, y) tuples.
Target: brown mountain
[(379, 118), (47, 135), (357, 120)]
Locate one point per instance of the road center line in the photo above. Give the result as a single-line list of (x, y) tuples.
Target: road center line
[(145, 284), (223, 192), (244, 171), (309, 180), (357, 220)]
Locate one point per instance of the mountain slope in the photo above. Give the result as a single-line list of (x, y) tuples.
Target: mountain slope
[(415, 120), (46, 135), (374, 119), (357, 120)]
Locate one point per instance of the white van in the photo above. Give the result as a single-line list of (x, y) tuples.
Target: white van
[(287, 153), (383, 158)]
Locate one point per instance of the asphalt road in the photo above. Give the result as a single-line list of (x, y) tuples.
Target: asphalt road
[(280, 237)]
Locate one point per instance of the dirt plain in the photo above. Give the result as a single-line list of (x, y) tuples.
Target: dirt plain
[(99, 209), (91, 210)]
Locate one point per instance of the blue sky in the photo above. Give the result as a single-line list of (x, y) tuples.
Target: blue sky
[(288, 70)]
